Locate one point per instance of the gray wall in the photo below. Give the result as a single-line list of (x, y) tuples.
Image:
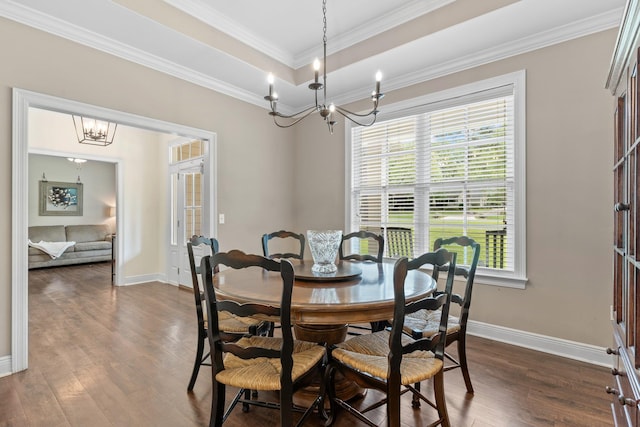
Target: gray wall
[(99, 189), (569, 160), (254, 195), (569, 189)]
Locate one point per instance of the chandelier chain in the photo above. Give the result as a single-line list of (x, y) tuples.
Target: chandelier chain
[(324, 51), (324, 21), (326, 110)]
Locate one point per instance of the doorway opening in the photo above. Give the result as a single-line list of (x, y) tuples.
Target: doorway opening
[(72, 203), (23, 101)]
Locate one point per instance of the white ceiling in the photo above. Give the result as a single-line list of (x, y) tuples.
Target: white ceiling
[(290, 32)]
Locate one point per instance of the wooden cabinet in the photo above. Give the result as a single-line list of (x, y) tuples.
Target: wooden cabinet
[(625, 386)]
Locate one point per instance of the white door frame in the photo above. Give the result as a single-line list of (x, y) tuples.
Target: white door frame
[(180, 169), (22, 101)]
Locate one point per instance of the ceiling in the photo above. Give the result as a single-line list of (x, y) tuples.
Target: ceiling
[(230, 46)]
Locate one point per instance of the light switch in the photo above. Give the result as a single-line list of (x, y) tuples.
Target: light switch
[(221, 218)]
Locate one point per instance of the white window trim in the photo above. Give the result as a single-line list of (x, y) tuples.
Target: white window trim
[(517, 278)]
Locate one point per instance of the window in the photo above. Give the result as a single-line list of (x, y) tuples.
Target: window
[(449, 164), (186, 151), (186, 168)]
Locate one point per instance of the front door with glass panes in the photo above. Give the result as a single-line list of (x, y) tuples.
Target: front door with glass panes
[(188, 206)]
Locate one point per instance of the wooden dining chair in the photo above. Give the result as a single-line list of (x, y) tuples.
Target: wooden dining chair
[(389, 360), (258, 362), (374, 244), (282, 234), (425, 323), (232, 327)]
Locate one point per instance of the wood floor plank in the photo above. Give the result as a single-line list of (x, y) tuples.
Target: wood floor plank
[(38, 400), (10, 405), (102, 355)]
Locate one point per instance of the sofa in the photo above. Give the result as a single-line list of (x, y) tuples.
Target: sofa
[(92, 244)]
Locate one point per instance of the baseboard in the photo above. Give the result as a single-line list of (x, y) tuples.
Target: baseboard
[(145, 278), (560, 347), (546, 344), (5, 366)]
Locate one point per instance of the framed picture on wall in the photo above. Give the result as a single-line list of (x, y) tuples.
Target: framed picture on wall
[(60, 198)]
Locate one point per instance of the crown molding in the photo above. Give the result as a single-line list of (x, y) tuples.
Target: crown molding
[(627, 36), (33, 18), (13, 10), (209, 16), (411, 10), (561, 34)]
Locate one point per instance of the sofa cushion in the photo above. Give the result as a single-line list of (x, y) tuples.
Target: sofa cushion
[(53, 249), (47, 233), (92, 246), (87, 233), (44, 260)]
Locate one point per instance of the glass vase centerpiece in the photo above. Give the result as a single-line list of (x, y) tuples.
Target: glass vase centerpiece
[(324, 246)]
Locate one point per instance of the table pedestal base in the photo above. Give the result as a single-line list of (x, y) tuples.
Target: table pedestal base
[(329, 334)]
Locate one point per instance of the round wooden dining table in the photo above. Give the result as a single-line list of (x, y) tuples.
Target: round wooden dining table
[(359, 292), (323, 305)]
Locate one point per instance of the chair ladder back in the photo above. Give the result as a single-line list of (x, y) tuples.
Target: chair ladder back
[(238, 260), (444, 318), (247, 309), (283, 234), (468, 272), (378, 239), (250, 347), (436, 345), (213, 330), (394, 380), (286, 352), (195, 270), (198, 295), (367, 370), (212, 243), (438, 259)]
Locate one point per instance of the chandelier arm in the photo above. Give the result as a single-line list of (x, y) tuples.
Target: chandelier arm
[(326, 111), (306, 112), (275, 116), (346, 115), (346, 112)]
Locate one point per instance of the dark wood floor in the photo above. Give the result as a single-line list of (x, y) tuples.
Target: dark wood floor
[(104, 356)]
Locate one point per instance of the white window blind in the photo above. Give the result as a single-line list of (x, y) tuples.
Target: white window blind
[(446, 169)]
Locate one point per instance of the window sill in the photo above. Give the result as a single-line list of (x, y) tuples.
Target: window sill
[(486, 278), (496, 280)]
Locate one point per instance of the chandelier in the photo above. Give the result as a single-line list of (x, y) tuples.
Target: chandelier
[(94, 131), (327, 112)]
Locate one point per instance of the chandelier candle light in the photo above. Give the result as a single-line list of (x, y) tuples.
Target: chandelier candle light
[(327, 112)]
